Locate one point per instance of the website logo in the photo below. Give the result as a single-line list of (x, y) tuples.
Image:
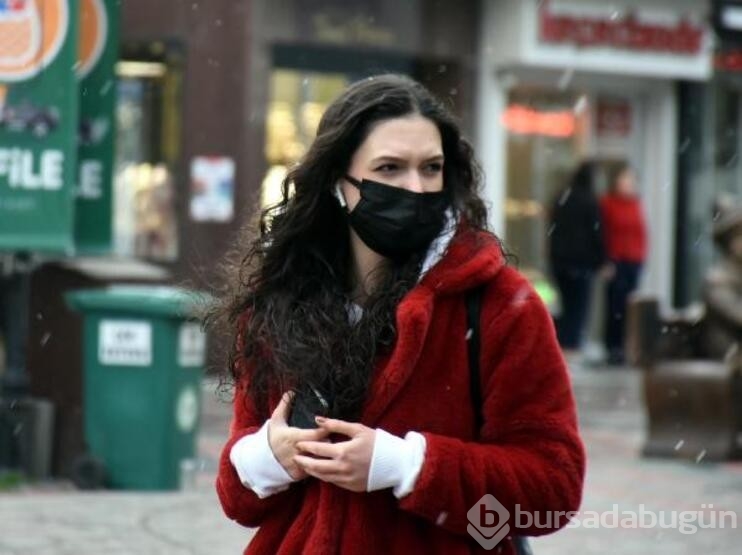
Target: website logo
[(488, 521)]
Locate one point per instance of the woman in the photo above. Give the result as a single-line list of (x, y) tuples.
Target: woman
[(575, 253), (352, 299), (625, 235)]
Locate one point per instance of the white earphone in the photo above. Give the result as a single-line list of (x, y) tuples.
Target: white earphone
[(339, 195)]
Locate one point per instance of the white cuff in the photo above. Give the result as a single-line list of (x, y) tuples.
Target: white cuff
[(396, 462), (257, 466)]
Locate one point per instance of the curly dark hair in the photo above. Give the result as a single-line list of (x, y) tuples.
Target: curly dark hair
[(294, 280)]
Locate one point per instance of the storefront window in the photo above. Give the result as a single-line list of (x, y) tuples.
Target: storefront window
[(297, 101), (546, 137), (549, 132), (145, 223)]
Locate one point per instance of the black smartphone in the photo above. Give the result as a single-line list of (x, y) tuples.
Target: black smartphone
[(308, 402)]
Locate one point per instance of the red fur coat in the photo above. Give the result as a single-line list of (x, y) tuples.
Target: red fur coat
[(528, 452)]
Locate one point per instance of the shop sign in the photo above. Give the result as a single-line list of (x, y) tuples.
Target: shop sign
[(624, 31), (57, 96), (339, 22), (38, 123), (613, 117), (524, 120), (728, 60), (212, 188), (97, 57), (726, 17), (354, 30)]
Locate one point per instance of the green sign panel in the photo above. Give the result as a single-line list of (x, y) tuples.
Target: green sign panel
[(39, 98), (98, 55)]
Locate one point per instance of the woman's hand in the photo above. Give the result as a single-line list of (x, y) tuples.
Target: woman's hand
[(345, 464), (283, 438)]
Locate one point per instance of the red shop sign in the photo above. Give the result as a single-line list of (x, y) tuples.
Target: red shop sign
[(626, 32), (613, 117), (728, 60)]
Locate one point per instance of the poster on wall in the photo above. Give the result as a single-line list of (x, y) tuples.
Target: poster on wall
[(98, 52), (212, 188), (39, 102)]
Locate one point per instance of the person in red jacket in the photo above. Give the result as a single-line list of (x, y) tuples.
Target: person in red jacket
[(625, 235), (354, 426)]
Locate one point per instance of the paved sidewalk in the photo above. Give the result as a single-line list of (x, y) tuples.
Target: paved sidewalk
[(613, 423), (70, 523), (53, 519)]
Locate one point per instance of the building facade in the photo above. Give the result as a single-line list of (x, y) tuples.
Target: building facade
[(219, 98), (710, 138), (564, 80)]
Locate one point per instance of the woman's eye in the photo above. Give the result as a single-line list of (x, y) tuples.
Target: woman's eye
[(387, 168), (435, 167)]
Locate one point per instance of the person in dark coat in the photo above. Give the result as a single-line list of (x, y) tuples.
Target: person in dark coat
[(575, 252), (350, 306)]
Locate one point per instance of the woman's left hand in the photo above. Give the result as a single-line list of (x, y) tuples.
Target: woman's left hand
[(345, 464)]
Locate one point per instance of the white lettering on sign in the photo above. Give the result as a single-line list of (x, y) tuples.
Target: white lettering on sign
[(24, 172), (91, 180), (191, 345), (124, 343)]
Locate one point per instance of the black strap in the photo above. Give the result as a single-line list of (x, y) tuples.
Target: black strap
[(473, 310), (473, 317)]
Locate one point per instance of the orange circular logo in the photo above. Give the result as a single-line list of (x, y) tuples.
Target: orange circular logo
[(93, 34), (31, 34)]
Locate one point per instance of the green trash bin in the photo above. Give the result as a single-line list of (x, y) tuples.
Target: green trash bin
[(143, 364)]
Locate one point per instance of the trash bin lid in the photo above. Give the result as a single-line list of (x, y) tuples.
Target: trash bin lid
[(168, 301)]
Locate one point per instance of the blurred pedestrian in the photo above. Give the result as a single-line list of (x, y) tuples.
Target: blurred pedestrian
[(575, 253), (625, 234), (350, 306)]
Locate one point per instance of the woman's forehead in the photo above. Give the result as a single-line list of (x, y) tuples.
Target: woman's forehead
[(410, 136)]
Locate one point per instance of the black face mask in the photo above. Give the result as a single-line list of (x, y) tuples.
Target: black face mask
[(395, 222)]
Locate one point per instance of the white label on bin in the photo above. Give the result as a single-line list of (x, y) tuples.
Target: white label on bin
[(191, 345), (124, 343), (186, 410)]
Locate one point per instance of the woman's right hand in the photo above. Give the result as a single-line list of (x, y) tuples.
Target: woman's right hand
[(283, 438)]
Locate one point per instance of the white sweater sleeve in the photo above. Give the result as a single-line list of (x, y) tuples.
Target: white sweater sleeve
[(396, 462), (257, 466)]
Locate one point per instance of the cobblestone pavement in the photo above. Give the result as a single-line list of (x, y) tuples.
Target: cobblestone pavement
[(53, 519)]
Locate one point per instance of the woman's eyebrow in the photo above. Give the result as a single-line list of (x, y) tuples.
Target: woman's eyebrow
[(392, 158)]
